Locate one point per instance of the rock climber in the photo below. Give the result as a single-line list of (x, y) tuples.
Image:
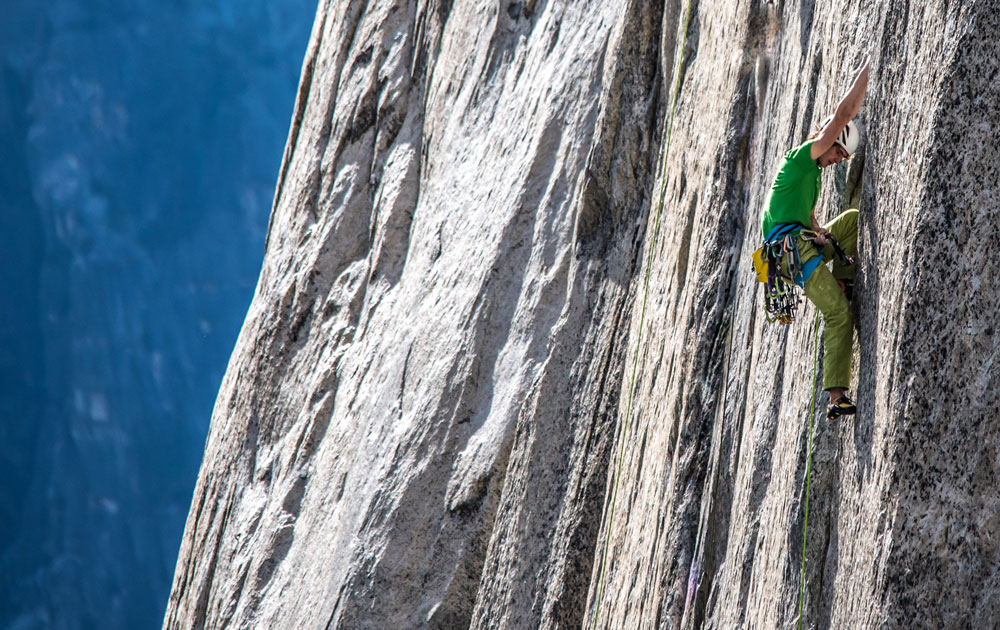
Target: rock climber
[(793, 201)]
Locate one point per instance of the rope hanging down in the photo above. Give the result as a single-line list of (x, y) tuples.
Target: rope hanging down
[(805, 526), (642, 318)]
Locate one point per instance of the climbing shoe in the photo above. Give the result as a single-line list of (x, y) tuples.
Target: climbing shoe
[(843, 406)]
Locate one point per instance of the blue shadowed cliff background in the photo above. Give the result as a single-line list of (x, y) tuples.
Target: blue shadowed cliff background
[(140, 142)]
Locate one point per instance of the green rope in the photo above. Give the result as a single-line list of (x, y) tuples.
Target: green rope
[(642, 319), (805, 526)]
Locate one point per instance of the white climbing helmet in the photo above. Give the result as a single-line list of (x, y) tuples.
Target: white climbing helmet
[(849, 138)]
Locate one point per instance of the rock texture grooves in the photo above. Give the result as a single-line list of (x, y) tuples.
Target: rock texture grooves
[(418, 427)]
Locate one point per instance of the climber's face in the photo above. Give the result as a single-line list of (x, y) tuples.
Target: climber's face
[(834, 155)]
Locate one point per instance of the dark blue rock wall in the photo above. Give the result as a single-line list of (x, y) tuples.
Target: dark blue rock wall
[(139, 146)]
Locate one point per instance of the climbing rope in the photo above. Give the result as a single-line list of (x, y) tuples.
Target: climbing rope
[(642, 319), (805, 526)]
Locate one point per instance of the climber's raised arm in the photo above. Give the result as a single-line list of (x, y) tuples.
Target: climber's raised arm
[(846, 111)]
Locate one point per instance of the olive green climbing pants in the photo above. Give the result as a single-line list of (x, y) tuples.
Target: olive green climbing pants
[(824, 292)]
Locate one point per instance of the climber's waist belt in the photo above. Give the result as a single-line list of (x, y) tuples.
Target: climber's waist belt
[(781, 242)]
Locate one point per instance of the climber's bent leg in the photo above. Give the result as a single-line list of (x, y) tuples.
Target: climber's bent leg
[(823, 291), (844, 228)]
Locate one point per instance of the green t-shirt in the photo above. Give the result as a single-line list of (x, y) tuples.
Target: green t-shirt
[(794, 191)]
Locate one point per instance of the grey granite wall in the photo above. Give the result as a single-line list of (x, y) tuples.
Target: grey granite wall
[(455, 403)]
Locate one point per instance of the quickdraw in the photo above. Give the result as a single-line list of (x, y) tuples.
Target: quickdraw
[(781, 300), (841, 254)]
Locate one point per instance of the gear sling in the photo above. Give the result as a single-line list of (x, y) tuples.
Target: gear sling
[(780, 296)]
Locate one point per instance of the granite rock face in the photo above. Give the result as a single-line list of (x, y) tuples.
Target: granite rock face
[(507, 366)]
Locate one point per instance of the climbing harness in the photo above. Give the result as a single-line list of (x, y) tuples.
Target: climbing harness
[(781, 298)]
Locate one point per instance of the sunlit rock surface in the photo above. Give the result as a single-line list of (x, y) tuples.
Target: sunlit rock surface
[(507, 366)]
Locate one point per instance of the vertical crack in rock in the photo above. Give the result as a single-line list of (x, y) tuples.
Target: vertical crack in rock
[(301, 101), (540, 557), (686, 440)]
